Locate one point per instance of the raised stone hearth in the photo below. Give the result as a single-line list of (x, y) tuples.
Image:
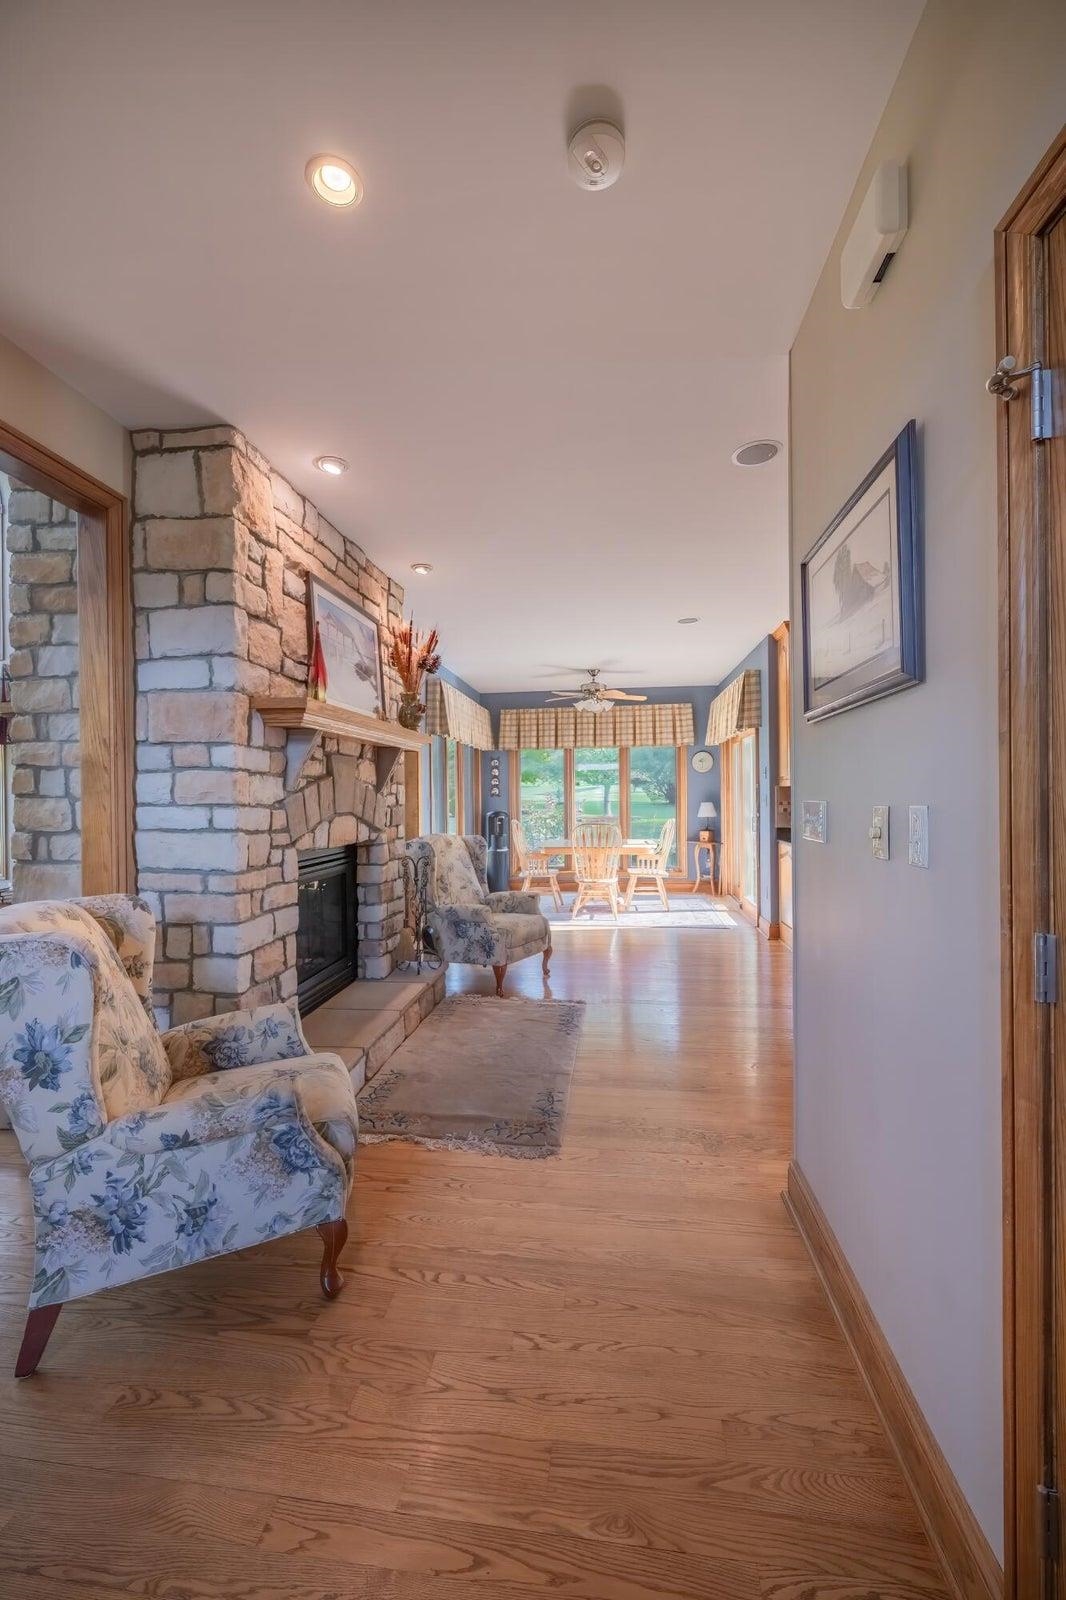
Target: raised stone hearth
[(366, 1022), (222, 546)]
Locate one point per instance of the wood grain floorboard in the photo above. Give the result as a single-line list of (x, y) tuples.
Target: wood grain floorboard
[(608, 1376)]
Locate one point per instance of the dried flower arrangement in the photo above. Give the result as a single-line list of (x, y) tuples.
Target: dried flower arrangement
[(413, 655)]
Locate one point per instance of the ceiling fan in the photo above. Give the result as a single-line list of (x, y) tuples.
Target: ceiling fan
[(593, 695)]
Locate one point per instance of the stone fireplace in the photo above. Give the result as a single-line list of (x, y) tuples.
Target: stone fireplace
[(222, 546)]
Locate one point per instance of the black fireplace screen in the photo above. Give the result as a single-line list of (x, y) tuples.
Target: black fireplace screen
[(326, 938)]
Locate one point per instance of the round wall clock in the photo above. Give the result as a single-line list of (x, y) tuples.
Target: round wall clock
[(702, 761)]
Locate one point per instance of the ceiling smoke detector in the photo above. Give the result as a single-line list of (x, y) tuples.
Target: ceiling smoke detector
[(597, 154), (755, 454)]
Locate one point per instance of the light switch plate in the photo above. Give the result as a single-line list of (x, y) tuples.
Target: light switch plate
[(815, 821), (879, 833), (918, 836)]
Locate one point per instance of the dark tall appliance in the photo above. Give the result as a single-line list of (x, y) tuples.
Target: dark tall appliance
[(498, 833)]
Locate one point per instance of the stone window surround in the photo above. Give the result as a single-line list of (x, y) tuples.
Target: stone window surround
[(221, 548)]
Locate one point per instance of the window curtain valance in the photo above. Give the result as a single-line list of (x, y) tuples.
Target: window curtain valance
[(453, 715), (564, 728), (738, 707)]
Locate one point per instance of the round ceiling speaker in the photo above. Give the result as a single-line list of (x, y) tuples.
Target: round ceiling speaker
[(755, 454), (597, 154)]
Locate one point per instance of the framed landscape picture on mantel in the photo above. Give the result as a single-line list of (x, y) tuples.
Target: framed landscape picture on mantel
[(862, 591), (351, 647)]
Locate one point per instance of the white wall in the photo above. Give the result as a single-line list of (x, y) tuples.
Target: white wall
[(39, 404), (897, 969)]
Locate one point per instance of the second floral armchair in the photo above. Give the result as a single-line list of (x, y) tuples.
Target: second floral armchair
[(469, 924)]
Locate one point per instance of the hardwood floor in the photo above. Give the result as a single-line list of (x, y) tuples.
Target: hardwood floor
[(610, 1376)]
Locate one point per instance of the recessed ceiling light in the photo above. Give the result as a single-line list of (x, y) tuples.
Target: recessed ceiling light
[(685, 621), (333, 465), (334, 180), (755, 454), (422, 566)]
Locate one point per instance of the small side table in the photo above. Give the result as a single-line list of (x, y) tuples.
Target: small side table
[(711, 847)]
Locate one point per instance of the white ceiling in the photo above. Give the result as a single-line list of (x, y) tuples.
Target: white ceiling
[(538, 388)]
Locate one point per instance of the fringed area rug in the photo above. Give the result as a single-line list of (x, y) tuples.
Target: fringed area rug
[(686, 911), (479, 1074)]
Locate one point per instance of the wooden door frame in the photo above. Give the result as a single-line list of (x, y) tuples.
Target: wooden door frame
[(1024, 711), (105, 656), (731, 870)]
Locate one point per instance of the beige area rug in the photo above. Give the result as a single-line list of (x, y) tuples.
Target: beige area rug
[(686, 911), (479, 1074)]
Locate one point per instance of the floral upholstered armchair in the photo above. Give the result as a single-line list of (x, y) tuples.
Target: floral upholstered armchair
[(468, 924), (150, 1151)]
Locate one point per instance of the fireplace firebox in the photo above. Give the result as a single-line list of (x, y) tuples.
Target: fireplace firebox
[(326, 936)]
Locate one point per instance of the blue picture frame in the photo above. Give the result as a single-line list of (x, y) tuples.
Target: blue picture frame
[(862, 591)]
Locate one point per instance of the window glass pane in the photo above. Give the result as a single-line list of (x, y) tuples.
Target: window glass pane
[(42, 802), (596, 793), (436, 786), (451, 786), (542, 797), (653, 792)]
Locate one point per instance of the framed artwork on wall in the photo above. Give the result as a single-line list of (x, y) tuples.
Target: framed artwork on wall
[(351, 648), (861, 591)]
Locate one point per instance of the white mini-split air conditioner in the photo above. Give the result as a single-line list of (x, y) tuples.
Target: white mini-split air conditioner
[(876, 235)]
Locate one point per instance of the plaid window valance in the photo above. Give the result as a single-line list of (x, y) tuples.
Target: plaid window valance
[(738, 707), (453, 715), (564, 728)]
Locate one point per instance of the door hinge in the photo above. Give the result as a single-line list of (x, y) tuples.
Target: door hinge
[(1045, 969), (1040, 397), (1047, 1500), (1002, 383)]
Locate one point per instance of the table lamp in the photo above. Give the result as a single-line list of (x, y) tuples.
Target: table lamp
[(707, 813)]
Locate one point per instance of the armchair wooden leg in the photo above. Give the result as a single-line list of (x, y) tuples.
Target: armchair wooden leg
[(334, 1238), (39, 1325), (500, 973), (547, 959)]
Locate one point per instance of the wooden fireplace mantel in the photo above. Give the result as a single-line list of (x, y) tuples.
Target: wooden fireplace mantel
[(307, 720)]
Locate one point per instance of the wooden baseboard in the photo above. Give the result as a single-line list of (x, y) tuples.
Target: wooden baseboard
[(769, 930), (969, 1562), (784, 933)]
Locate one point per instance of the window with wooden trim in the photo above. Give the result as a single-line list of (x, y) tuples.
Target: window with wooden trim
[(453, 787), (640, 788)]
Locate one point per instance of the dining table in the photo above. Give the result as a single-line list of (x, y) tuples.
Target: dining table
[(628, 847)]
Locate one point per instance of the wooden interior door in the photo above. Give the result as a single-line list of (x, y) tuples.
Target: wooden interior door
[(1031, 328), (1055, 452)]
